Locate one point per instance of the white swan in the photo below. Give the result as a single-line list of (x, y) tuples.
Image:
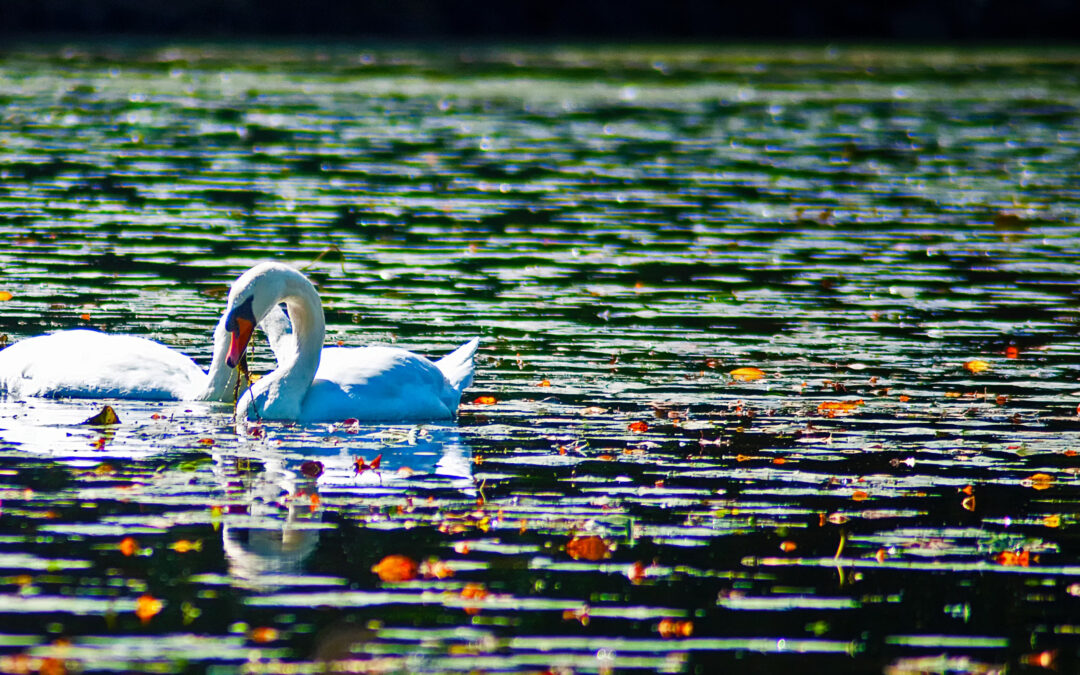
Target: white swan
[(314, 384), (88, 364)]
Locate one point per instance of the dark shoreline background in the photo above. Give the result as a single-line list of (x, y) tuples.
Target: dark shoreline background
[(973, 20)]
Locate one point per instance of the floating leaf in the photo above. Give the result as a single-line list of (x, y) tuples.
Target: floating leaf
[(543, 383), (263, 634), (747, 374), (185, 546), (638, 427), (834, 408), (311, 468), (147, 607), (106, 416), (977, 365), (1019, 558), (396, 568), (436, 569), (670, 628), (5, 296), (128, 546), (1039, 481), (591, 548), (788, 546), (484, 400), (1012, 352)]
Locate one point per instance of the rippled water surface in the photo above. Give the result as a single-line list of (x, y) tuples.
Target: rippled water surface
[(888, 236)]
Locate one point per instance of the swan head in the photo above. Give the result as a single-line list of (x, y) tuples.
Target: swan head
[(256, 294), (240, 323), (251, 298)]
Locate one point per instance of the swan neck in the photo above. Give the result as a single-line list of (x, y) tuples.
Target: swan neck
[(220, 378), (309, 328)]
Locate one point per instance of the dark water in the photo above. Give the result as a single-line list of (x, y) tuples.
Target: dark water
[(623, 227)]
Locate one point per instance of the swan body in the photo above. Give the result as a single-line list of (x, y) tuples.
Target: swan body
[(89, 364), (313, 384)]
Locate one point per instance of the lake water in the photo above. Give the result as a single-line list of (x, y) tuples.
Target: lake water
[(882, 244)]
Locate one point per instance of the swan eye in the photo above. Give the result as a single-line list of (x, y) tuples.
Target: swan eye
[(241, 311)]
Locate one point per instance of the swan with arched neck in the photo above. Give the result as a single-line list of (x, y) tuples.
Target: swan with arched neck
[(315, 384)]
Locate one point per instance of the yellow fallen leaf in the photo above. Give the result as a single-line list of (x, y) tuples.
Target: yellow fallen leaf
[(977, 365), (747, 374), (5, 296)]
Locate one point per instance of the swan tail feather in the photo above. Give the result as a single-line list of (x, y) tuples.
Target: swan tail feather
[(458, 365)]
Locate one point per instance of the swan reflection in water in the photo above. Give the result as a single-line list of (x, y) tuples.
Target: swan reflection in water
[(279, 526), (273, 481)]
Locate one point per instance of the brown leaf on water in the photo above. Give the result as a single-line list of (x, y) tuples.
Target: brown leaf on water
[(396, 568), (106, 416), (1009, 221), (747, 374), (592, 548)]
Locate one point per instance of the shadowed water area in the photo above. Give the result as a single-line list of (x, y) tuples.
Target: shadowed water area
[(881, 244)]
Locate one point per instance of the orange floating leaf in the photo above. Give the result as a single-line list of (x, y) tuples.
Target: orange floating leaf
[(1012, 352), (484, 400), (185, 546), (5, 296), (1039, 481), (787, 546), (581, 615), (436, 569), (206, 441), (638, 427), (747, 374), (592, 548), (904, 398), (977, 365), (968, 503), (396, 568), (670, 628), (543, 383), (84, 317), (1047, 659), (1053, 520), (147, 607), (881, 555), (834, 408), (128, 546), (263, 634), (860, 495), (1019, 558)]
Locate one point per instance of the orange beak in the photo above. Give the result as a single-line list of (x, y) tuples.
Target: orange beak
[(240, 324), (239, 338)]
